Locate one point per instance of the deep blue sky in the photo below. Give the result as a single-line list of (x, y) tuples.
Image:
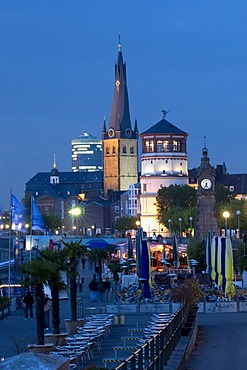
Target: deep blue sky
[(57, 77)]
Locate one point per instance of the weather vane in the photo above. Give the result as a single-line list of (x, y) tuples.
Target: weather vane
[(165, 112), (119, 41)]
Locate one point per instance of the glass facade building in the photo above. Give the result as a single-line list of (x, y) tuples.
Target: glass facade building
[(87, 153)]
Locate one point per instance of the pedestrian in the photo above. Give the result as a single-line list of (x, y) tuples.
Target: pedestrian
[(29, 301), (80, 283), (47, 308), (93, 286)]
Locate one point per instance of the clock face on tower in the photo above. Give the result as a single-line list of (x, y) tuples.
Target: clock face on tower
[(206, 184), (111, 132)]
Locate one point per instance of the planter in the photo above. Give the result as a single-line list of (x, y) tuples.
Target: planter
[(56, 339), (71, 326), (39, 348)]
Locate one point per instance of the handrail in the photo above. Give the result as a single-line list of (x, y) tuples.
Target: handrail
[(155, 353)]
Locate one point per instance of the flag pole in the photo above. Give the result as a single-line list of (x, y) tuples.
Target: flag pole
[(31, 231), (10, 224)]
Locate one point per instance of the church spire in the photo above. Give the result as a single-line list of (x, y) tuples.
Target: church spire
[(120, 113), (54, 161)]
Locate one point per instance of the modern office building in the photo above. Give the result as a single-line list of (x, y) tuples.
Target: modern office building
[(87, 153)]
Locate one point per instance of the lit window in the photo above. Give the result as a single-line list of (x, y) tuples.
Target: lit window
[(166, 146), (159, 146), (147, 146), (151, 146)]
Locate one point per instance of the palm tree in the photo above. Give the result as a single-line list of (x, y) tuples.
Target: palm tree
[(35, 275), (72, 253), (97, 256), (55, 259)]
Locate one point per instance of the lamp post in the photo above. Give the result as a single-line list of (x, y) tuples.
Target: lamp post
[(226, 214), (93, 230), (180, 226), (169, 226), (191, 219), (75, 212), (238, 213)]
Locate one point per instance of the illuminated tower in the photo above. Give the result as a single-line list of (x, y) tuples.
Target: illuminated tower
[(120, 142)]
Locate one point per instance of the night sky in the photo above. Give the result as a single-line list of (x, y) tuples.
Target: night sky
[(57, 77)]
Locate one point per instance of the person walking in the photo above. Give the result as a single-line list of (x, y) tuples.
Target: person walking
[(29, 301), (47, 308)]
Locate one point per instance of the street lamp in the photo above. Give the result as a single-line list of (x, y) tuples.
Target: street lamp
[(180, 226), (191, 219), (226, 214), (93, 230), (169, 226), (238, 213), (75, 212)]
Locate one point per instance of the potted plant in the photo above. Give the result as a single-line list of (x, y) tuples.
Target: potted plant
[(188, 293)]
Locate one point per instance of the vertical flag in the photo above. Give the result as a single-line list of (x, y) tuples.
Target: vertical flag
[(222, 263), (18, 215), (37, 222)]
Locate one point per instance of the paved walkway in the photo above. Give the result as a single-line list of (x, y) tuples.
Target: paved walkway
[(221, 342)]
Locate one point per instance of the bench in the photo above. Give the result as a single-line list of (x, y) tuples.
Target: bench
[(135, 330), (130, 338), (123, 348), (112, 360)]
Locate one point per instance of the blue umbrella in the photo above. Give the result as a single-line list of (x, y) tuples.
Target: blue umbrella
[(139, 237), (130, 248), (98, 243)]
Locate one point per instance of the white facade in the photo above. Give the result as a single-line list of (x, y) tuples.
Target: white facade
[(164, 162)]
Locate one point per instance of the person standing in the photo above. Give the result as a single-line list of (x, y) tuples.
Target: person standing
[(47, 308), (29, 301), (93, 286)]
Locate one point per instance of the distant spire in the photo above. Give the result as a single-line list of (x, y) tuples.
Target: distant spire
[(205, 150), (119, 42), (54, 161), (104, 126), (136, 126)]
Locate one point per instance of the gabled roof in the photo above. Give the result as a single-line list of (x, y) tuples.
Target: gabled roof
[(164, 127)]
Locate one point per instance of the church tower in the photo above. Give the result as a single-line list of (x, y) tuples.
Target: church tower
[(206, 220), (120, 142)]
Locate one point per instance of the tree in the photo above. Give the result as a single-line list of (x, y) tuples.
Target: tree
[(126, 223), (174, 202), (196, 250), (35, 275), (52, 221), (232, 207), (242, 256), (55, 259), (72, 252), (98, 256)]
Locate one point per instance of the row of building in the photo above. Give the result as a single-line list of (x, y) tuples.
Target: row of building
[(105, 183)]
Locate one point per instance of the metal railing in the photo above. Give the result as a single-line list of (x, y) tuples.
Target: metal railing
[(155, 353)]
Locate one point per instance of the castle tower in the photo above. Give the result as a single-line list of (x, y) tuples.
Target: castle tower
[(164, 162), (120, 142), (206, 220)]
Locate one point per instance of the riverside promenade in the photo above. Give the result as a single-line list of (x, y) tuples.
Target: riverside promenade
[(221, 343)]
